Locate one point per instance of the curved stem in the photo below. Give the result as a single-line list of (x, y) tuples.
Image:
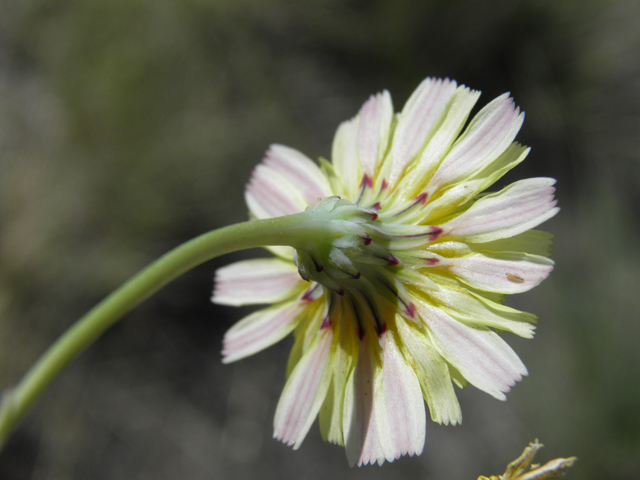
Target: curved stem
[(274, 231)]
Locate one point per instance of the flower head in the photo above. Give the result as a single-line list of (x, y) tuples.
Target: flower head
[(395, 290)]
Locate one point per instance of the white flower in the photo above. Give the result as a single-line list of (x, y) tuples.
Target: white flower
[(399, 294)]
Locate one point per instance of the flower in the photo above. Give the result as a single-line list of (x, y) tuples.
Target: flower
[(397, 291)]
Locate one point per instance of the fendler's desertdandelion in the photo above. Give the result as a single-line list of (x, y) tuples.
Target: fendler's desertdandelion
[(393, 284), (390, 268)]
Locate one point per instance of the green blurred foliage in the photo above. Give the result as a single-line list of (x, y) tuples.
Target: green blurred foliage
[(127, 127)]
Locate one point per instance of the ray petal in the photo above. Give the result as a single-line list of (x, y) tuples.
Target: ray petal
[(488, 135), (270, 194), (501, 272), (373, 131), (359, 426), (480, 355), (344, 155), (261, 329), (515, 209), (419, 115), (399, 406), (262, 280), (300, 171), (304, 393)]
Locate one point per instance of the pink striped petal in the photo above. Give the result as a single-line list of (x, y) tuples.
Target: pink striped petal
[(373, 131), (418, 117), (359, 426), (502, 272), (399, 406), (371, 450), (488, 135), (270, 194), (479, 354), (260, 330), (344, 154), (300, 171), (262, 280), (304, 393), (452, 120), (517, 208)]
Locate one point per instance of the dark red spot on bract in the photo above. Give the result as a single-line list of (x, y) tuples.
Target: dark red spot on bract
[(354, 276), (410, 310), (319, 268), (431, 261), (326, 323), (422, 198), (384, 185), (381, 329), (435, 232), (367, 240), (393, 261), (306, 279), (376, 206), (366, 181), (311, 294)]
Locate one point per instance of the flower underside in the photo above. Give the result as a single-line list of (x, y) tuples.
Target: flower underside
[(395, 284), (353, 260)]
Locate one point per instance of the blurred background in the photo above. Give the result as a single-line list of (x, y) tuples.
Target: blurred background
[(130, 126)]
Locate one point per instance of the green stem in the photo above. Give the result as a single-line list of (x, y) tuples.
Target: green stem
[(274, 231)]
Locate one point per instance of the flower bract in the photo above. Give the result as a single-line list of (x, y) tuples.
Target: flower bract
[(522, 469), (396, 292)]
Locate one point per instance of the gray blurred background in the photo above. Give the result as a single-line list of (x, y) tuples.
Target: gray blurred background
[(130, 126)]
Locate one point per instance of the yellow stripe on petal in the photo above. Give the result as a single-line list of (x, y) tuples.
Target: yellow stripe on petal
[(432, 372), (475, 310), (345, 353), (533, 242)]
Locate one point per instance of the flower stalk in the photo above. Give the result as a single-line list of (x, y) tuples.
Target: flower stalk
[(290, 230)]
